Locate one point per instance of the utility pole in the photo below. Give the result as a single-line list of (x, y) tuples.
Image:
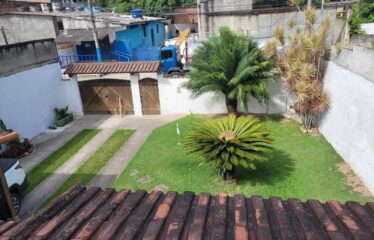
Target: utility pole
[(97, 45), (6, 207)]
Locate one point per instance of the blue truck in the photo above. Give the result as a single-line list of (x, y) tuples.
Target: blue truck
[(171, 65), (171, 62)]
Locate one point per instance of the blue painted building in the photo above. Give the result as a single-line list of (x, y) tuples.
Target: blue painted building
[(139, 41)]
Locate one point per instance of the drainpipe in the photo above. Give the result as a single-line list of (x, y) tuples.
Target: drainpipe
[(98, 51)]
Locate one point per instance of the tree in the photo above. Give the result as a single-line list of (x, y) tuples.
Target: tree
[(228, 143), (363, 12), (231, 64), (151, 7), (300, 62)]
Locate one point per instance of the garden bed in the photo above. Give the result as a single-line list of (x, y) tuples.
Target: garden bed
[(51, 163), (301, 166)]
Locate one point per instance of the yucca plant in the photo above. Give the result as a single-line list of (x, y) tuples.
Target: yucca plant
[(228, 143), (231, 64), (300, 62)]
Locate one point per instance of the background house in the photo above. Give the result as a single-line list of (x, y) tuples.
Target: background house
[(181, 19), (130, 38), (140, 41)]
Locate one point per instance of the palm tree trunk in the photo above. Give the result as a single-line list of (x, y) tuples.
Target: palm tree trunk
[(231, 105), (229, 176)]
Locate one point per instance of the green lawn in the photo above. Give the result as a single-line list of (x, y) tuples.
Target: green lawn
[(45, 168), (302, 166), (87, 171)]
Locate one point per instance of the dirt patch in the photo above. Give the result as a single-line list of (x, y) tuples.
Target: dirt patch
[(285, 120), (353, 180)]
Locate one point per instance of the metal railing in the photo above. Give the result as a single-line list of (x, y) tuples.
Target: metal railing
[(114, 56)]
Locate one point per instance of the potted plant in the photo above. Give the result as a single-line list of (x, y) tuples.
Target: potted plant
[(6, 135), (63, 117), (17, 148)]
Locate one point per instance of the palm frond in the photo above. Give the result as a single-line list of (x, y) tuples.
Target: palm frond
[(229, 142)]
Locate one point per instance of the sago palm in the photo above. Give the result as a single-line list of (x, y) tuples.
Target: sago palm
[(230, 64), (228, 143)]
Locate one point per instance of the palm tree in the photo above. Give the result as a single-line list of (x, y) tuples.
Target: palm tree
[(300, 62), (228, 143), (233, 65)]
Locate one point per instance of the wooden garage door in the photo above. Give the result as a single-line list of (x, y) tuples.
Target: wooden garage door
[(106, 96), (149, 96)]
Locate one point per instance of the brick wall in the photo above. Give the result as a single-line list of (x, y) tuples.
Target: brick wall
[(185, 15), (15, 6)]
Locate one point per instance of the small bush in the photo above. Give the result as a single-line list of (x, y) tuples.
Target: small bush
[(228, 143)]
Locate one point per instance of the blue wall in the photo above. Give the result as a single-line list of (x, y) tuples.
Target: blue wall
[(136, 40)]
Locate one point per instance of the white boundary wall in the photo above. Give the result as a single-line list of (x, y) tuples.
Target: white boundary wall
[(27, 99), (175, 99), (349, 124)]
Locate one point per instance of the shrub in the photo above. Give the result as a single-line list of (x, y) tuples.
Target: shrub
[(301, 64), (228, 143), (61, 113)]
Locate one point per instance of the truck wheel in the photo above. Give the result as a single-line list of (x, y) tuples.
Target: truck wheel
[(175, 74), (16, 201)]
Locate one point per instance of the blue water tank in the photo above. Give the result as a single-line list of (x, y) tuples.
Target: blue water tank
[(95, 9), (137, 13)]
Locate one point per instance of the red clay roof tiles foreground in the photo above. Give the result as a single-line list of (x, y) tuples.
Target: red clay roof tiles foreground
[(92, 213), (112, 67)]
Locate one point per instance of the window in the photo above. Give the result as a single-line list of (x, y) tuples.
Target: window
[(61, 25), (144, 31), (166, 54), (152, 37), (157, 29)]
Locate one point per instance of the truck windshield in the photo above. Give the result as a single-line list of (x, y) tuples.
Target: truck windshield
[(166, 54)]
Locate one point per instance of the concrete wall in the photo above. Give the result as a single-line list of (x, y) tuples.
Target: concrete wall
[(27, 27), (359, 60), (214, 14), (71, 96), (176, 99), (27, 99), (368, 28), (21, 56), (348, 125)]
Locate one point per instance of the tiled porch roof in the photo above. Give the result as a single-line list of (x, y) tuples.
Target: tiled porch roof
[(112, 67), (92, 213)]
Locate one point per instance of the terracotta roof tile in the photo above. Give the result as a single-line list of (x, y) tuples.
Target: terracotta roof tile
[(112, 67), (93, 213)]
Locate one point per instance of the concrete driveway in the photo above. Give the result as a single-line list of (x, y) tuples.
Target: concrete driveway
[(52, 140)]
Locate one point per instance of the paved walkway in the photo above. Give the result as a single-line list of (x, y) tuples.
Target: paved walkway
[(48, 143), (144, 127)]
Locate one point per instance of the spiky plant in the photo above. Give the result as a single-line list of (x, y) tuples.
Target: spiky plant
[(229, 142), (231, 64), (300, 63)]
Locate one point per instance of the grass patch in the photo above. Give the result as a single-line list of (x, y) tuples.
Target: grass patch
[(88, 170), (49, 165), (301, 166)]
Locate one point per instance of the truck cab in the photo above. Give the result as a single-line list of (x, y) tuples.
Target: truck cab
[(170, 62)]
